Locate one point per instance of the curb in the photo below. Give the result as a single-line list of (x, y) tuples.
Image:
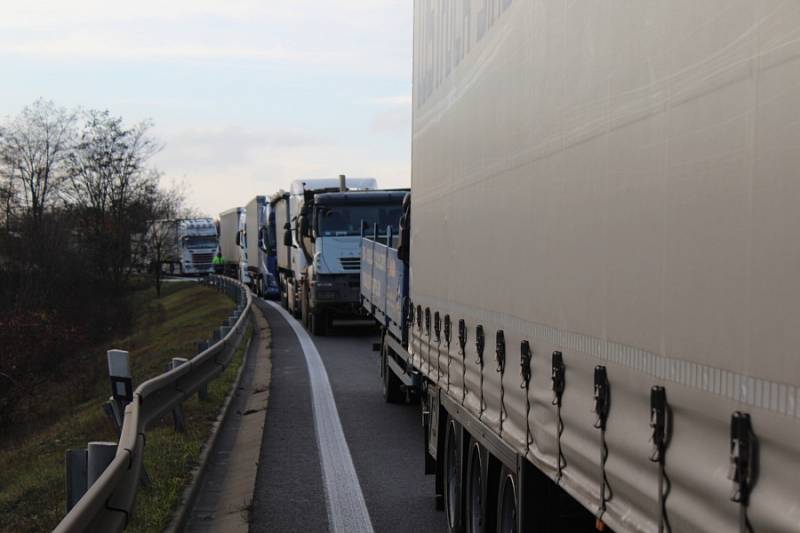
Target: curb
[(181, 514)]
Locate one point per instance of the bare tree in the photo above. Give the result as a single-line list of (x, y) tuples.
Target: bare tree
[(112, 189), (34, 147), (168, 207), (8, 202)]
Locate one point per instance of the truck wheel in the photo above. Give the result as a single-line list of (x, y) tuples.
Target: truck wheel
[(304, 313), (507, 502), (452, 478), (284, 287), (319, 323), (475, 496), (392, 392)]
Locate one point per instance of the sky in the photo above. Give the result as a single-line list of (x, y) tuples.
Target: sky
[(245, 95)]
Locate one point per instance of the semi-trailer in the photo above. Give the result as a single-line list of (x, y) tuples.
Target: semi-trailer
[(594, 296), (280, 208)]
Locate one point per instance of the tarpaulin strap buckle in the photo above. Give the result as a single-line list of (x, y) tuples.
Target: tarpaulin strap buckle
[(602, 406), (661, 424), (559, 383)]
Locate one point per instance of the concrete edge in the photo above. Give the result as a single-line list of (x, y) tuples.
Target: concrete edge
[(181, 514)]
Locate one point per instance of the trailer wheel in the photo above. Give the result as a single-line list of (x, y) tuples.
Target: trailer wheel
[(392, 392), (453, 498), (305, 315), (475, 497), (284, 287), (507, 502)]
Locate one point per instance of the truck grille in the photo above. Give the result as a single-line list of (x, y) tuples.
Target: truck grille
[(202, 259), (350, 263)]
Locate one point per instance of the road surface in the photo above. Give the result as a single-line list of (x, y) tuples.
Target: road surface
[(376, 481)]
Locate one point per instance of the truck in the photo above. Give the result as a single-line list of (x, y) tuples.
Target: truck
[(293, 259), (329, 228), (260, 247), (182, 246), (231, 225), (280, 208), (592, 293)]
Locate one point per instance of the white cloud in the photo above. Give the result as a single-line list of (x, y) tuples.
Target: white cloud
[(225, 167), (332, 33)]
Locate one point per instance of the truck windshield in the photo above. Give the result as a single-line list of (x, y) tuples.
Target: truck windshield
[(197, 241), (346, 219)]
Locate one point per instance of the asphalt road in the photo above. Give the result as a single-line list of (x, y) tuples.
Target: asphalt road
[(385, 441)]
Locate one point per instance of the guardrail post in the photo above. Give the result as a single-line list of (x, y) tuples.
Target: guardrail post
[(99, 456), (114, 413), (177, 412), (76, 462), (202, 392)]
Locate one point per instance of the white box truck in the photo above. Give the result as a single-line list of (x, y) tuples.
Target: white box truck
[(603, 316), (231, 223)]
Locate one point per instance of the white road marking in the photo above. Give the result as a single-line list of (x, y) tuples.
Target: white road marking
[(347, 510)]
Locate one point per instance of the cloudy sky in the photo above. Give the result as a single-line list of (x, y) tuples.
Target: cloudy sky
[(246, 95)]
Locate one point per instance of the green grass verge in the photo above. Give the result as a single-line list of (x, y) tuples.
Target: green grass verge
[(32, 492), (170, 457)]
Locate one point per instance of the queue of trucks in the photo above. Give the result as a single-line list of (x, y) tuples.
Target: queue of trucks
[(302, 246)]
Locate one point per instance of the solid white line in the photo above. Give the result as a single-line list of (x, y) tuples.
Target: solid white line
[(347, 510)]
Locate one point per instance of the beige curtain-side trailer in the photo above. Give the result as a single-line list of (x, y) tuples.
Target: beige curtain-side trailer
[(618, 181)]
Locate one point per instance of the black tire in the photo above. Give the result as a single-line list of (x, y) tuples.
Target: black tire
[(319, 323), (284, 293), (453, 479), (475, 495), (392, 389), (305, 313), (507, 502), (297, 306)]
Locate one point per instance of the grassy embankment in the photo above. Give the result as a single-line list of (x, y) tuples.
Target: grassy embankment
[(32, 492)]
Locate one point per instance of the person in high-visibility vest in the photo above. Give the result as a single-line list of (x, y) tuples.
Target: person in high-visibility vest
[(219, 263)]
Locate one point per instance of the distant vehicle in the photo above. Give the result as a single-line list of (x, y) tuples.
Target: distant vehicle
[(329, 228), (241, 242), (292, 260), (230, 226), (596, 290), (182, 246), (260, 248)]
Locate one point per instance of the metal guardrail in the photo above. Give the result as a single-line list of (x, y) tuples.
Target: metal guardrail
[(108, 503)]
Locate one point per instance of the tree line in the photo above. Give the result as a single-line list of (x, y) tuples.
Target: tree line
[(77, 193)]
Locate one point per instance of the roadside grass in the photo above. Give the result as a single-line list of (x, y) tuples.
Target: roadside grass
[(32, 478), (170, 457)]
